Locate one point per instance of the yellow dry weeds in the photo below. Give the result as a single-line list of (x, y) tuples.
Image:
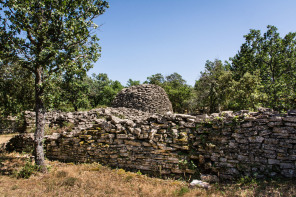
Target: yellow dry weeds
[(97, 180)]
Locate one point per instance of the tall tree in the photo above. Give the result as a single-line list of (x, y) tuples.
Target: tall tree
[(178, 92), (212, 88), (75, 89), (246, 93), (47, 38), (275, 58), (156, 79), (16, 87), (102, 90)]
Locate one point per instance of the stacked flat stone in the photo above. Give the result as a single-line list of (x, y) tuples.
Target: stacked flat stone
[(147, 97), (230, 145), (10, 125)]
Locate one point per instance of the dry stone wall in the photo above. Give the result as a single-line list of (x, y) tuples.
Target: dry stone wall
[(10, 125), (146, 97), (229, 145)]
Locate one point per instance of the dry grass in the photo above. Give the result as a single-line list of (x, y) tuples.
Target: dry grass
[(91, 180), (4, 138), (97, 180)]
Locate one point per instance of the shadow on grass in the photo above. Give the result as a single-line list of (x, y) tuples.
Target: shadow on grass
[(276, 187), (9, 163), (269, 187)]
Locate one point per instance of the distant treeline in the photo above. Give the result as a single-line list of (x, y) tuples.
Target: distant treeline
[(261, 74)]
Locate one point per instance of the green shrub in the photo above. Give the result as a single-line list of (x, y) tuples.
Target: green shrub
[(28, 170), (182, 191), (62, 173), (70, 181)]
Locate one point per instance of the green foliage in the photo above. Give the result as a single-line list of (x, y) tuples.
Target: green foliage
[(247, 180), (187, 164), (156, 79), (16, 87), (50, 35), (131, 82), (176, 88), (102, 90), (139, 172), (274, 58), (247, 92), (261, 74), (28, 170), (75, 90), (182, 191), (48, 38), (212, 89)]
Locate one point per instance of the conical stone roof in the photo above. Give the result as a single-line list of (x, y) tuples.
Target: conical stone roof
[(146, 97)]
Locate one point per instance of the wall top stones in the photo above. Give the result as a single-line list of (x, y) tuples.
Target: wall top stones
[(146, 97), (226, 144)]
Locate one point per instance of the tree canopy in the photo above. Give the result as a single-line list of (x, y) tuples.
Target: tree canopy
[(262, 73), (274, 58), (47, 38), (176, 88)]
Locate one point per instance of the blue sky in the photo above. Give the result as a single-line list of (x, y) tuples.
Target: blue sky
[(140, 38)]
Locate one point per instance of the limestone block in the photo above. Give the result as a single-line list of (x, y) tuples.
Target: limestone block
[(290, 119), (232, 171), (273, 161), (288, 173), (247, 124), (256, 139), (287, 165)]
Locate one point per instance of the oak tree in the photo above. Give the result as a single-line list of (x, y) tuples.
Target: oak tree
[(46, 38)]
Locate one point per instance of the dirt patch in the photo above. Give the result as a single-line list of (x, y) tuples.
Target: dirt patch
[(6, 137)]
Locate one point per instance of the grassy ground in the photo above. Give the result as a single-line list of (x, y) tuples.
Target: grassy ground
[(97, 180)]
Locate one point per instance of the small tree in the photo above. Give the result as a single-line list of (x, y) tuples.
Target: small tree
[(75, 90), (49, 37), (179, 93), (102, 90)]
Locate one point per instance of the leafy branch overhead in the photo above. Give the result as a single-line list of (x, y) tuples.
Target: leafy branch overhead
[(52, 34), (49, 38)]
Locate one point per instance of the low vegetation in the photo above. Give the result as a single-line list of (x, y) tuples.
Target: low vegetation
[(19, 177)]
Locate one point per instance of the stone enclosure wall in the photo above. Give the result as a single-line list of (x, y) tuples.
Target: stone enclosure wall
[(10, 125), (229, 145)]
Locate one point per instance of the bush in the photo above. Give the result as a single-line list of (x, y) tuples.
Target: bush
[(28, 170), (70, 181), (182, 191)]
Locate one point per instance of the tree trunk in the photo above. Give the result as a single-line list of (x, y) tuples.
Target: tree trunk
[(40, 118), (74, 105)]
